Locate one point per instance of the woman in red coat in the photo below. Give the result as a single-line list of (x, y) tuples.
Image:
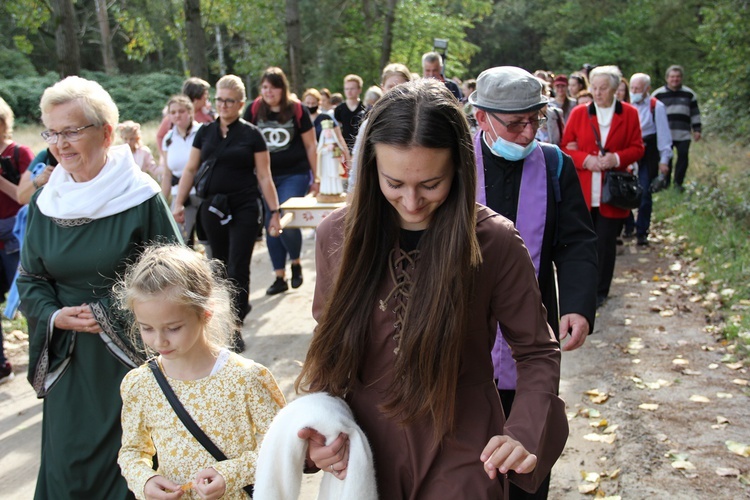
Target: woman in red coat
[(605, 135)]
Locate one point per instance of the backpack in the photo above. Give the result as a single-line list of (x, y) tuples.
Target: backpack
[(298, 111), (553, 159)]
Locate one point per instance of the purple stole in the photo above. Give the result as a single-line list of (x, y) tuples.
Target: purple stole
[(531, 218)]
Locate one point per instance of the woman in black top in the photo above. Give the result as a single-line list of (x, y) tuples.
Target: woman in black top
[(229, 215), (290, 136)]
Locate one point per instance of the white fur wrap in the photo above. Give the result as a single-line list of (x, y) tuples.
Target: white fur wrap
[(282, 455)]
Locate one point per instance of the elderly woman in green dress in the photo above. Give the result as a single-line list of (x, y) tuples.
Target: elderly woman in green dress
[(84, 226)]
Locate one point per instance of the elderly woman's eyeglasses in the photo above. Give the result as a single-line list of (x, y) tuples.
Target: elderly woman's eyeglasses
[(71, 135), (517, 127)]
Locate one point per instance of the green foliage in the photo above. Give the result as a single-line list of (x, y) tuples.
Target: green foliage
[(726, 73), (15, 64), (138, 97), (714, 217)]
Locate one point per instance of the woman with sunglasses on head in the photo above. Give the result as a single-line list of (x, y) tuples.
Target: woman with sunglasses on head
[(290, 136), (229, 215), (412, 279), (602, 136)]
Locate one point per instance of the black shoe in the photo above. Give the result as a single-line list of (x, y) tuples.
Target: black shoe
[(296, 275), (628, 234), (6, 372), (244, 312), (279, 286), (642, 240), (238, 343)]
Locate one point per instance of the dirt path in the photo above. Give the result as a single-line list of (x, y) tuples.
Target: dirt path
[(629, 361)]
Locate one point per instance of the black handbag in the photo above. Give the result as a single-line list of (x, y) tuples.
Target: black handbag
[(202, 178), (622, 190), (187, 420)]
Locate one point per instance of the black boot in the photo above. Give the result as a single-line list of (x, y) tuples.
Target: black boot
[(296, 275), (279, 286), (237, 343)]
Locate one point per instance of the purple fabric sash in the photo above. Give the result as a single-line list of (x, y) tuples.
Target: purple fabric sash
[(531, 218)]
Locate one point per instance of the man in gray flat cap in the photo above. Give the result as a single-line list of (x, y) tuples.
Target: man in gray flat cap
[(536, 186)]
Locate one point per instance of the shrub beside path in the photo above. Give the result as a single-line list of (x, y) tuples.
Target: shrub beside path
[(652, 396)]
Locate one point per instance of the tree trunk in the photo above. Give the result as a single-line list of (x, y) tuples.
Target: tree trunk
[(196, 39), (390, 18), (294, 44), (108, 53), (220, 51), (66, 41)]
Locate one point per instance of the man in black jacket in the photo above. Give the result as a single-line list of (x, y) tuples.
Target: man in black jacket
[(538, 189)]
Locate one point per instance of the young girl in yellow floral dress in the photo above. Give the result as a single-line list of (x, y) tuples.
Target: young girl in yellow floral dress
[(183, 312)]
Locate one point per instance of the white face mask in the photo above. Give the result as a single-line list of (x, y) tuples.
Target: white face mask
[(636, 98)]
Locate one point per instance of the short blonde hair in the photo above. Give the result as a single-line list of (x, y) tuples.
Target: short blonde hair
[(312, 92), (187, 278), (395, 69), (353, 78), (96, 103), (232, 82), (128, 129), (7, 117)]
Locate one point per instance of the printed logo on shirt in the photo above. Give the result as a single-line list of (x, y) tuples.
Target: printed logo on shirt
[(278, 136)]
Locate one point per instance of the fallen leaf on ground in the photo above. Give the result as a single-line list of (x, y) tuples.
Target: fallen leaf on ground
[(713, 366), (722, 420), (587, 488), (599, 423), (680, 361), (699, 399), (724, 395), (740, 381), (614, 474), (601, 438), (727, 472), (683, 465), (734, 366), (738, 448), (667, 313), (611, 429), (597, 397), (649, 406), (591, 477), (688, 371)]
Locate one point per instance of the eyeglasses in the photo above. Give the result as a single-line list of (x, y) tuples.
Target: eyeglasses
[(71, 135), (227, 102), (518, 127)]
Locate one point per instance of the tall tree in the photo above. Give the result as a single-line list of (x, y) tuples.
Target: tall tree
[(390, 17), (108, 53), (196, 39), (66, 41), (294, 44)]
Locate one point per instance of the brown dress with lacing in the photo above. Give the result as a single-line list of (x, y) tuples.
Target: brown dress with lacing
[(407, 464)]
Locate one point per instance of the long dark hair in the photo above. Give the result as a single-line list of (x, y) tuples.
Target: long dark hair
[(421, 113), (276, 77)]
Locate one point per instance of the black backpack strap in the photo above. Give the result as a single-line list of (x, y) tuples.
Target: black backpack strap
[(187, 420)]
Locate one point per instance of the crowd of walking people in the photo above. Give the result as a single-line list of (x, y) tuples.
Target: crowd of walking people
[(478, 239)]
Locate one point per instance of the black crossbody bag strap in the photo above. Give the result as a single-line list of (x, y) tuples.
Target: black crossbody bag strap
[(187, 420)]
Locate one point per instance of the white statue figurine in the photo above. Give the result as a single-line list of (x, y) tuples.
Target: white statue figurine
[(330, 168)]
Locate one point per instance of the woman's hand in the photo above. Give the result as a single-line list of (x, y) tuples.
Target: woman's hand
[(178, 212), (592, 163), (504, 453), (43, 176), (274, 225), (209, 484), (314, 188), (161, 488), (78, 319), (607, 161), (573, 146), (333, 458)]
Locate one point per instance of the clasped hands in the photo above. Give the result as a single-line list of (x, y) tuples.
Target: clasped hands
[(77, 319), (502, 453), (208, 484)]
